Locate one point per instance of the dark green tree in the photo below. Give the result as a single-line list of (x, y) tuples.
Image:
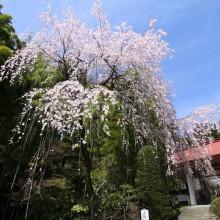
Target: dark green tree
[(9, 41), (152, 186), (10, 108)]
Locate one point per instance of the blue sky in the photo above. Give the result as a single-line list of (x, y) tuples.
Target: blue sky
[(193, 28)]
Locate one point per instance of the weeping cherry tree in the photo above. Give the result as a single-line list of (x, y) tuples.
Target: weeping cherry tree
[(101, 69)]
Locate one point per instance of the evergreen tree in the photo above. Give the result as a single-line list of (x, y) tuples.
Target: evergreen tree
[(9, 41), (152, 187)]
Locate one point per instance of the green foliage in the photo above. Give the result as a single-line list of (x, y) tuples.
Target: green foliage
[(42, 76), (119, 203), (152, 186), (215, 132), (79, 208), (62, 192), (114, 166), (215, 207), (8, 37), (5, 53), (57, 182), (117, 198), (55, 203)]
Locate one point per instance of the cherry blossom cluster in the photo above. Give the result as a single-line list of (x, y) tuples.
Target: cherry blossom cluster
[(63, 106), (198, 125), (106, 56)]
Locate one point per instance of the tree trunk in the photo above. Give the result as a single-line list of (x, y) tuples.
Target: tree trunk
[(93, 199)]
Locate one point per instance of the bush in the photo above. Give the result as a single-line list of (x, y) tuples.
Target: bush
[(215, 207)]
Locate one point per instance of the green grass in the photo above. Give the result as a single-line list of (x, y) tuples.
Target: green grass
[(182, 208)]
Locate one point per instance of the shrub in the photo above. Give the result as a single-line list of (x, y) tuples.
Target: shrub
[(215, 207)]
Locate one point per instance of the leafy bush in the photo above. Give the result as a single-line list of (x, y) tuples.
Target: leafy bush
[(215, 207), (80, 208)]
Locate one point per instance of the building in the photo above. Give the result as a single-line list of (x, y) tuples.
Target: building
[(202, 189)]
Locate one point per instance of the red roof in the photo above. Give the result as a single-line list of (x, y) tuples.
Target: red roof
[(199, 152)]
